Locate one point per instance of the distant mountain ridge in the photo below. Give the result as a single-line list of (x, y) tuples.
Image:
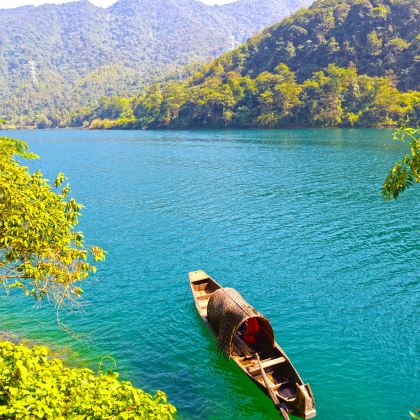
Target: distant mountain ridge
[(74, 52)]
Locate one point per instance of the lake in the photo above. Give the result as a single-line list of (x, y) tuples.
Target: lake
[(293, 219)]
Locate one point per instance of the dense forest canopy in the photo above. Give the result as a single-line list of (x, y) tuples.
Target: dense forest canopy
[(343, 63), (379, 37), (334, 97), (58, 57)]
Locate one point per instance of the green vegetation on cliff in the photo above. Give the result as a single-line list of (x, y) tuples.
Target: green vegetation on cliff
[(36, 386), (378, 37), (334, 97), (337, 64)]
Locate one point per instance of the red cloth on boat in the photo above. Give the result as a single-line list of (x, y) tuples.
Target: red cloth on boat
[(252, 328)]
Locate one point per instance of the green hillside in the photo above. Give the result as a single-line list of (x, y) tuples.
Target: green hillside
[(378, 37), (343, 63), (58, 57)]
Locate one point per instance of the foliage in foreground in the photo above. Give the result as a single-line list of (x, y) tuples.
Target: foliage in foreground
[(415, 415), (41, 253), (406, 172), (32, 385)]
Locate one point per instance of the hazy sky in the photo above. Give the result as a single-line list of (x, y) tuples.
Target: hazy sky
[(104, 3)]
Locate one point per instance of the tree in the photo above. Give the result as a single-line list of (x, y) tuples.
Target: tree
[(374, 44), (406, 172), (148, 107), (113, 107), (41, 252)]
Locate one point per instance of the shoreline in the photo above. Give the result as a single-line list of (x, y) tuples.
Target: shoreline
[(194, 129)]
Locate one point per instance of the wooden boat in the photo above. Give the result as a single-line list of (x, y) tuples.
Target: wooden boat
[(226, 314)]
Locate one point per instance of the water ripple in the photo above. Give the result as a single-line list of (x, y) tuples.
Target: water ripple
[(293, 219)]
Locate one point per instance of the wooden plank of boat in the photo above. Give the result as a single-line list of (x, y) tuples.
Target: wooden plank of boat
[(271, 390), (269, 363), (265, 362)]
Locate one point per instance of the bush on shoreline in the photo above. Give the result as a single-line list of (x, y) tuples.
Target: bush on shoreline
[(33, 385)]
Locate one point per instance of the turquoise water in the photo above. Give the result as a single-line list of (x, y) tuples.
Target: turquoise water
[(292, 219)]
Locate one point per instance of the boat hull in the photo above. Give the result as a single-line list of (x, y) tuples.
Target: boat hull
[(294, 396)]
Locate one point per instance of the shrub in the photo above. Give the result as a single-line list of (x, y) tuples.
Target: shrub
[(35, 386)]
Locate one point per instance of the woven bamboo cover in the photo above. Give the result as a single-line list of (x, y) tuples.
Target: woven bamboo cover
[(226, 311)]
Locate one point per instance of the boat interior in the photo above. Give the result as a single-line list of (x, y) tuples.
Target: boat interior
[(281, 375), (203, 288)]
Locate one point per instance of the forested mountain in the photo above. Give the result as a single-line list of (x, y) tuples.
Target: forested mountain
[(338, 63), (379, 37), (63, 56)]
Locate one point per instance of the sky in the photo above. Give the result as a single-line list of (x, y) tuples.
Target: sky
[(103, 3)]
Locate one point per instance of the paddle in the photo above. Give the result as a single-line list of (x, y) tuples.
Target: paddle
[(273, 396)]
